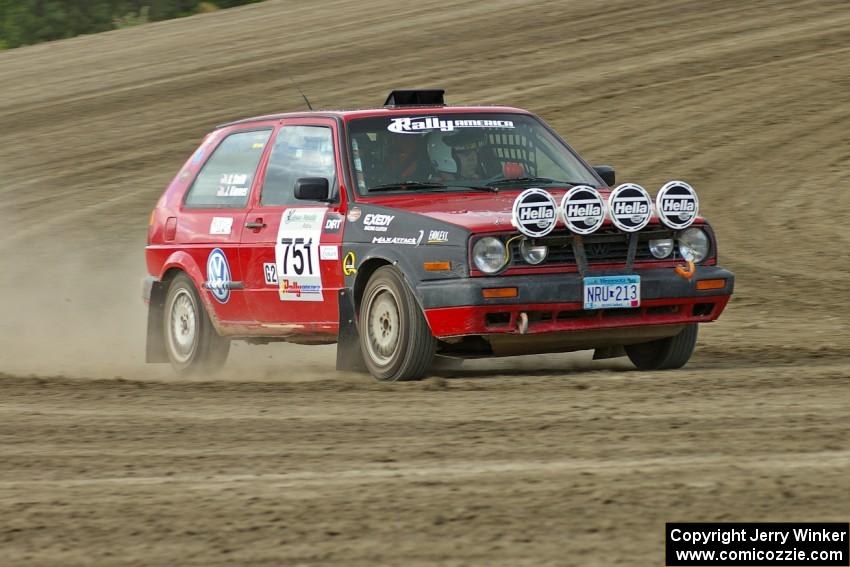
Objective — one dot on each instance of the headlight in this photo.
(532, 254)
(661, 247)
(693, 244)
(489, 255)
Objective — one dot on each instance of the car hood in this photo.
(478, 212)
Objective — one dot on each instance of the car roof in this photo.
(347, 115)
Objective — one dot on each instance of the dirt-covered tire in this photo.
(193, 345)
(394, 337)
(665, 354)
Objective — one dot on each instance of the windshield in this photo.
(459, 152)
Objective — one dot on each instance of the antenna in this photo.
(310, 106)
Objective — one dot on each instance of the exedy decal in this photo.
(377, 223)
(408, 125)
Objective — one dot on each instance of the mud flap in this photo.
(155, 342)
(609, 352)
(348, 355)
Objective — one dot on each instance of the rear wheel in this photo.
(394, 336)
(665, 354)
(193, 345)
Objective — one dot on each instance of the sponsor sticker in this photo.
(630, 207)
(677, 204)
(411, 125)
(221, 225)
(534, 212)
(374, 222)
(303, 219)
(297, 255)
(270, 273)
(349, 264)
(583, 209)
(438, 236)
(218, 275)
(329, 253)
(333, 222)
(292, 290)
(409, 240)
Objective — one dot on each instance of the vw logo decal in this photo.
(597, 249)
(677, 204)
(583, 209)
(534, 212)
(630, 207)
(218, 275)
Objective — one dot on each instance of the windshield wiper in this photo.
(430, 185)
(488, 188)
(525, 180)
(401, 185)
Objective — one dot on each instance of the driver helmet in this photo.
(465, 140)
(440, 154)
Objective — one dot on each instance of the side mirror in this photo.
(312, 189)
(606, 172)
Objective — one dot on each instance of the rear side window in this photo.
(225, 179)
(298, 151)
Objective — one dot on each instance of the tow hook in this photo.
(688, 271)
(522, 323)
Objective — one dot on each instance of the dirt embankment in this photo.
(551, 460)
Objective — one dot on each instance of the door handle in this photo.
(256, 225)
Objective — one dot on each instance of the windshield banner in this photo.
(408, 125)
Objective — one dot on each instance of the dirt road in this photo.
(535, 461)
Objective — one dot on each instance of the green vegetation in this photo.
(25, 22)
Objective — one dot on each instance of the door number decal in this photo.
(299, 277)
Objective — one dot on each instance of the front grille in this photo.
(608, 246)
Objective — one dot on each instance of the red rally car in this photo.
(416, 231)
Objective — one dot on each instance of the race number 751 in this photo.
(296, 256)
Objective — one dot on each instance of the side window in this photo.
(225, 179)
(298, 151)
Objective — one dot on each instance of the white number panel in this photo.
(297, 255)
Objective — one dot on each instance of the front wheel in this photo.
(394, 336)
(193, 345)
(665, 354)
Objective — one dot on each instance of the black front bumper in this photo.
(566, 288)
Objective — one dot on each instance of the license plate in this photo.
(611, 292)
